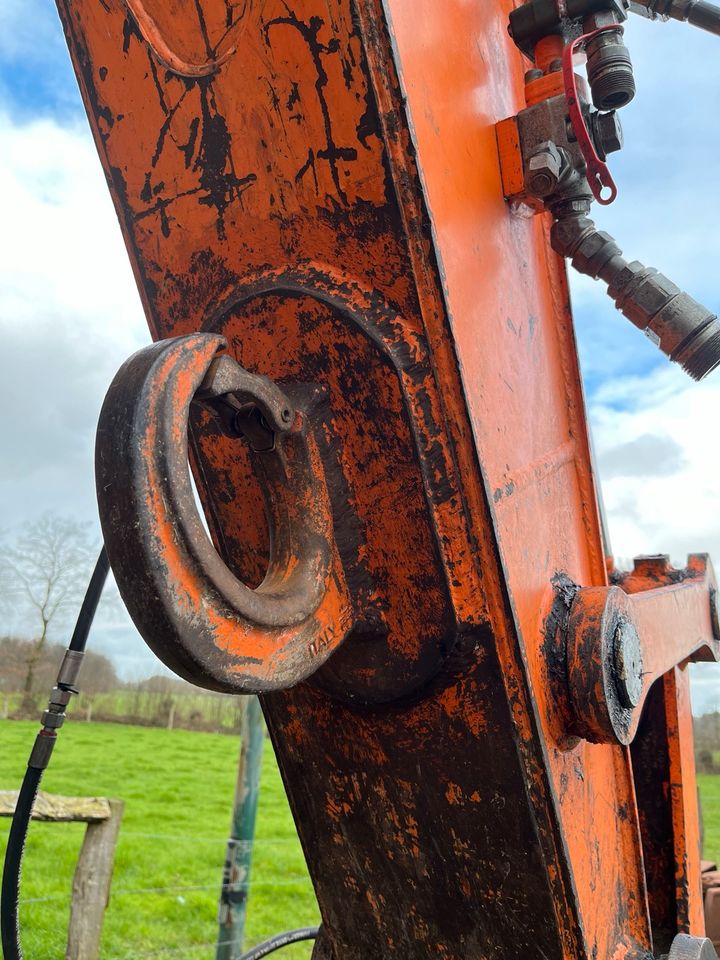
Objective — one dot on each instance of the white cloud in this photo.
(659, 460)
(69, 315)
(656, 437)
(61, 252)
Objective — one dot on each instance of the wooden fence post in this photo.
(93, 873)
(91, 886)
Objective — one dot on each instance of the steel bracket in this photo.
(622, 638)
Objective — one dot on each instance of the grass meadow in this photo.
(709, 785)
(178, 788)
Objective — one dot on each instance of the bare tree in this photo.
(43, 574)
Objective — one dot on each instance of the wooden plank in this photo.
(91, 885)
(56, 809)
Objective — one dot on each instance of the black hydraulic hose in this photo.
(281, 940)
(705, 15)
(52, 720)
(90, 602)
(13, 863)
(698, 13)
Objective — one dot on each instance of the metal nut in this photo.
(624, 280)
(608, 133)
(594, 252)
(649, 297)
(544, 171)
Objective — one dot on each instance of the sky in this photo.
(70, 313)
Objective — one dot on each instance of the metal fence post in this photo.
(236, 872)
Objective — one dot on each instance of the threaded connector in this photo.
(610, 71)
(687, 332)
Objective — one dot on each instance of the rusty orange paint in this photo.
(684, 802)
(681, 906)
(319, 182)
(549, 85)
(511, 164)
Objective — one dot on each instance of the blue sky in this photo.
(35, 74)
(61, 256)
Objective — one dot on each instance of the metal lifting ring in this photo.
(200, 620)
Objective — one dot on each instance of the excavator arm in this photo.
(366, 354)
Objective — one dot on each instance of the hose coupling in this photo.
(687, 332)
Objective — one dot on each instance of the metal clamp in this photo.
(192, 611)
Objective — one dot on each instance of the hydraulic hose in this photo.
(698, 13)
(706, 16)
(52, 719)
(91, 599)
(281, 940)
(13, 863)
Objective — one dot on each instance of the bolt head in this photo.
(608, 132)
(628, 665)
(544, 170)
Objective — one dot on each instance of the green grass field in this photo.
(178, 788)
(710, 799)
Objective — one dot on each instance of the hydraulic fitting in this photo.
(609, 67)
(685, 331)
(698, 13)
(685, 947)
(552, 159)
(536, 19)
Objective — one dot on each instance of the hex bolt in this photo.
(607, 133)
(545, 170)
(627, 662)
